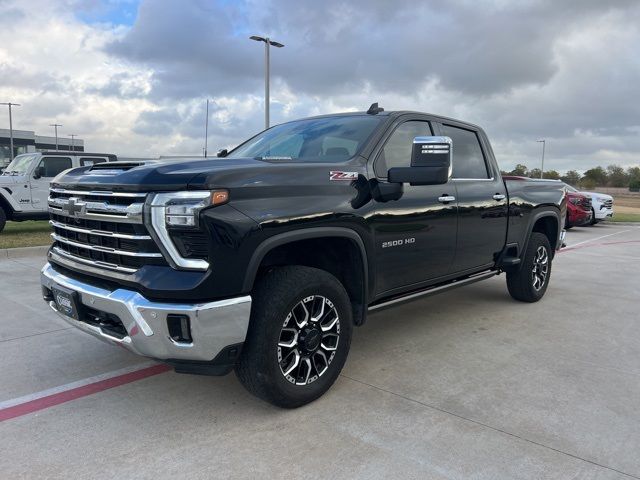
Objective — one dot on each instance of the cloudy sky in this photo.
(132, 76)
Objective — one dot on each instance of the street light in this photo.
(267, 42)
(543, 142)
(10, 126)
(206, 131)
(73, 136)
(56, 125)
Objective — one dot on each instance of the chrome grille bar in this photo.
(98, 193)
(97, 210)
(101, 233)
(70, 260)
(98, 248)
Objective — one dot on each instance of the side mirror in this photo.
(38, 172)
(430, 163)
(222, 153)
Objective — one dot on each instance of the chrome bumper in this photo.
(214, 325)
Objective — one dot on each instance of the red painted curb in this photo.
(79, 392)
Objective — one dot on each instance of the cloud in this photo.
(565, 71)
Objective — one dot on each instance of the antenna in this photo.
(374, 109)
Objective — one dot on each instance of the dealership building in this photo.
(25, 141)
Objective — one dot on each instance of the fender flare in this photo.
(546, 211)
(7, 199)
(305, 234)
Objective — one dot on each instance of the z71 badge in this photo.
(335, 175)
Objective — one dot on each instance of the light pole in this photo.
(206, 130)
(10, 127)
(543, 142)
(267, 42)
(73, 136)
(56, 125)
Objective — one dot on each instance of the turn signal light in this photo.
(218, 197)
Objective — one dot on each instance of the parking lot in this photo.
(468, 384)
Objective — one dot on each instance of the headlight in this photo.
(180, 210)
(601, 199)
(575, 200)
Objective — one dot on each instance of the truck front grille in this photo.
(102, 229)
(608, 203)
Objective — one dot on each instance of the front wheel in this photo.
(530, 282)
(299, 336)
(593, 217)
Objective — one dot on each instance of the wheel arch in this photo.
(305, 247)
(548, 222)
(5, 203)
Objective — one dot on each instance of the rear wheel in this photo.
(3, 219)
(298, 338)
(530, 283)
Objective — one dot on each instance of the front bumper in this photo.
(603, 213)
(213, 325)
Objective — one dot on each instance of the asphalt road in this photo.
(467, 384)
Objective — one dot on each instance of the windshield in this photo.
(20, 164)
(329, 139)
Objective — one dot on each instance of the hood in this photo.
(595, 194)
(11, 179)
(146, 175)
(181, 174)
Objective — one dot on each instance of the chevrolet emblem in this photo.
(74, 207)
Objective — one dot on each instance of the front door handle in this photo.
(499, 197)
(446, 199)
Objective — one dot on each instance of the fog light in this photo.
(179, 327)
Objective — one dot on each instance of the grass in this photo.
(625, 217)
(25, 234)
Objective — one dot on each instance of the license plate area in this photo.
(67, 301)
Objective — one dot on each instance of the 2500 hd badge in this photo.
(397, 243)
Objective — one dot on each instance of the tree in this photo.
(595, 176)
(571, 177)
(633, 173)
(534, 173)
(617, 176)
(552, 175)
(520, 170)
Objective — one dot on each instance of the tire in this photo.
(282, 326)
(530, 282)
(593, 217)
(3, 219)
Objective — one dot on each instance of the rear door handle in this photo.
(498, 197)
(446, 199)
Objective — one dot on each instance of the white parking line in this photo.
(597, 238)
(72, 385)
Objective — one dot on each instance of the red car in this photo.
(578, 210)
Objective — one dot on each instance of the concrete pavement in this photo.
(467, 384)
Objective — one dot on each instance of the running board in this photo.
(434, 290)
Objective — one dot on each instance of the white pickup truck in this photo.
(24, 184)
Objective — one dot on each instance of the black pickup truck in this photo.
(263, 260)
